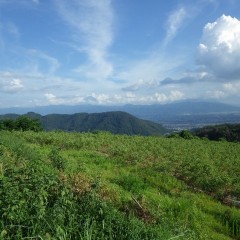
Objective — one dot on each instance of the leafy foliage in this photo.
(114, 122)
(56, 185)
(22, 123)
(185, 134)
(228, 132)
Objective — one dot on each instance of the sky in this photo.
(115, 52)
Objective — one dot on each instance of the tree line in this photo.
(22, 123)
(223, 132)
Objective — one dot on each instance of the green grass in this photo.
(60, 185)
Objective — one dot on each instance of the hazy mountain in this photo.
(114, 122)
(179, 108)
(186, 114)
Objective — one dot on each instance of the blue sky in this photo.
(118, 51)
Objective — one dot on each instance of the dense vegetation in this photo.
(56, 185)
(114, 122)
(228, 132)
(21, 123)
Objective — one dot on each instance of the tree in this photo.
(24, 123)
(7, 124)
(186, 134)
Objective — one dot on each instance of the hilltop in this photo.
(114, 122)
(181, 115)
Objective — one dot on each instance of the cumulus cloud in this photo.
(219, 50)
(173, 96)
(54, 100)
(91, 23)
(226, 91)
(232, 88)
(109, 99)
(68, 100)
(216, 94)
(50, 97)
(151, 98)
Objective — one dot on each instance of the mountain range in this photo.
(188, 114)
(114, 122)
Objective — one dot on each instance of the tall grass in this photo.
(59, 185)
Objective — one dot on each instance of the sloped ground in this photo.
(59, 185)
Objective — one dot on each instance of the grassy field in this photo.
(56, 185)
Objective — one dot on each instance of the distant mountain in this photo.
(114, 122)
(149, 111)
(188, 114)
(166, 111)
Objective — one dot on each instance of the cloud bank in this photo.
(219, 50)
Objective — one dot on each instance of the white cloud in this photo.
(50, 97)
(219, 50)
(54, 100)
(115, 98)
(91, 22)
(101, 98)
(174, 95)
(11, 85)
(69, 100)
(228, 92)
(174, 23)
(232, 88)
(141, 85)
(145, 73)
(217, 94)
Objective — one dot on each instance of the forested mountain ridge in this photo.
(177, 115)
(114, 122)
(228, 132)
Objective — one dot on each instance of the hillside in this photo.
(186, 114)
(114, 122)
(228, 132)
(57, 185)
